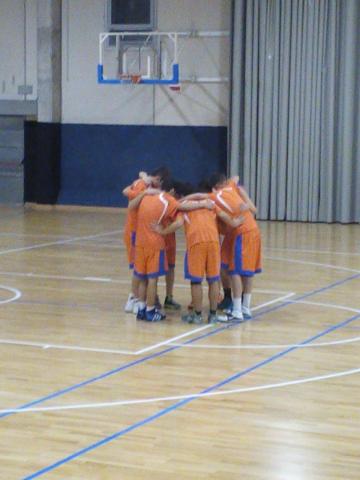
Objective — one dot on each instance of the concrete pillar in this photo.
(237, 91)
(49, 60)
(42, 160)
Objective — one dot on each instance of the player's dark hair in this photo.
(162, 172)
(167, 184)
(203, 186)
(216, 179)
(183, 188)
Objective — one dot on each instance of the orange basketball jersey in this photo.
(137, 187)
(200, 226)
(154, 209)
(229, 200)
(130, 223)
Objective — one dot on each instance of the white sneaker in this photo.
(229, 317)
(136, 306)
(218, 317)
(236, 316)
(129, 306)
(246, 312)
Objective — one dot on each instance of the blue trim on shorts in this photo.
(238, 261)
(213, 279)
(142, 276)
(131, 266)
(249, 273)
(244, 273)
(133, 238)
(224, 266)
(194, 279)
(161, 272)
(145, 276)
(155, 275)
(187, 274)
(162, 269)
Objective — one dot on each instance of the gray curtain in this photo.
(295, 109)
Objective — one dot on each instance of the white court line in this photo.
(127, 352)
(165, 342)
(47, 346)
(265, 347)
(81, 279)
(172, 398)
(277, 346)
(15, 291)
(59, 242)
(36, 235)
(324, 252)
(46, 235)
(170, 340)
(97, 279)
(111, 280)
(62, 277)
(316, 264)
(276, 300)
(328, 305)
(101, 245)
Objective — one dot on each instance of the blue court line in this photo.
(181, 403)
(170, 349)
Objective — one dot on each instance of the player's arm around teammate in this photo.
(244, 245)
(203, 252)
(133, 192)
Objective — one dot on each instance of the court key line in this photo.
(166, 342)
(183, 402)
(58, 242)
(315, 264)
(152, 356)
(15, 291)
(323, 252)
(110, 280)
(193, 396)
(275, 346)
(48, 345)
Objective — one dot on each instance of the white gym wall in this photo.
(84, 101)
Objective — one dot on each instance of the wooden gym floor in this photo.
(87, 392)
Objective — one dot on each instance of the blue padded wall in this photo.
(98, 161)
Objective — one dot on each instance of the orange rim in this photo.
(135, 78)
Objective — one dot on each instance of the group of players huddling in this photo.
(222, 243)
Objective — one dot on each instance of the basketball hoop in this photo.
(146, 58)
(131, 77)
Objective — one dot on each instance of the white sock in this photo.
(131, 296)
(142, 305)
(246, 299)
(237, 304)
(148, 309)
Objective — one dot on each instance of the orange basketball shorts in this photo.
(203, 259)
(150, 263)
(246, 254)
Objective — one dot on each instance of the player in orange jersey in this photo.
(242, 245)
(137, 190)
(226, 303)
(150, 256)
(202, 258)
